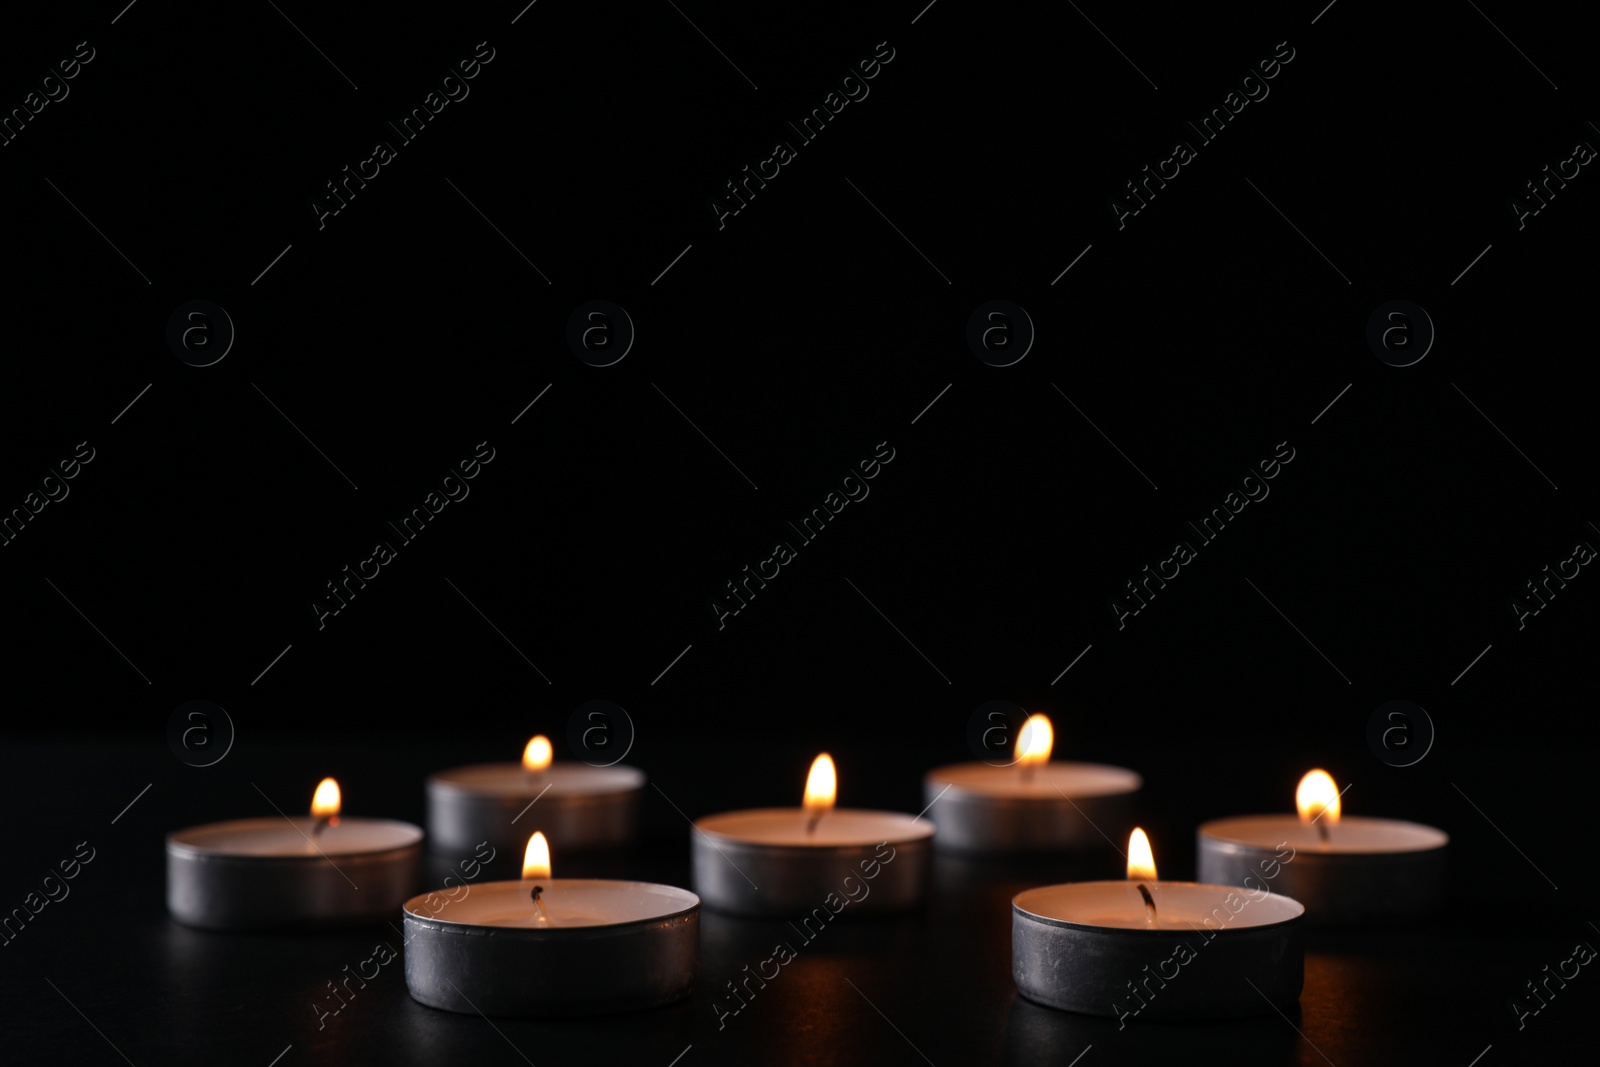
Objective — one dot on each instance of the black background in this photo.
(797, 338)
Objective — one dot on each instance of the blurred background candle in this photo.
(1346, 870)
(552, 947)
(789, 861)
(1032, 804)
(284, 872)
(1154, 950)
(576, 806)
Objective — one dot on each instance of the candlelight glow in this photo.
(822, 785)
(1141, 862)
(1317, 795)
(536, 861)
(325, 801)
(1035, 742)
(537, 756)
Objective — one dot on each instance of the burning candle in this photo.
(1347, 870)
(1124, 949)
(575, 805)
(282, 872)
(1031, 804)
(549, 947)
(789, 861)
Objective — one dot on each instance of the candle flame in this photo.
(1318, 796)
(537, 756)
(325, 801)
(1141, 862)
(1035, 741)
(536, 860)
(822, 785)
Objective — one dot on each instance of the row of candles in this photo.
(543, 946)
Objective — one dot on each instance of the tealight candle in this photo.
(1348, 871)
(1123, 949)
(1034, 805)
(575, 805)
(790, 861)
(544, 947)
(324, 869)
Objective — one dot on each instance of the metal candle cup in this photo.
(280, 873)
(576, 806)
(602, 947)
(764, 862)
(1059, 806)
(1211, 953)
(1369, 872)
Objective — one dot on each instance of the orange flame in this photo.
(536, 860)
(325, 801)
(1317, 796)
(1141, 861)
(538, 754)
(822, 785)
(1035, 741)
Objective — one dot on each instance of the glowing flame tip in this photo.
(536, 860)
(1141, 861)
(538, 754)
(822, 784)
(1317, 797)
(325, 801)
(1035, 741)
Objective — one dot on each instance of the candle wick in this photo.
(816, 817)
(538, 904)
(1149, 904)
(322, 823)
(1322, 831)
(1027, 774)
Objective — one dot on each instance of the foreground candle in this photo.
(1348, 871)
(322, 869)
(544, 947)
(792, 861)
(1034, 805)
(1156, 950)
(575, 805)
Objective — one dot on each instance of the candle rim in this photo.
(924, 826)
(443, 925)
(443, 781)
(177, 842)
(1209, 829)
(1018, 909)
(939, 777)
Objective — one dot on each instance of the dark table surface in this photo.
(106, 966)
